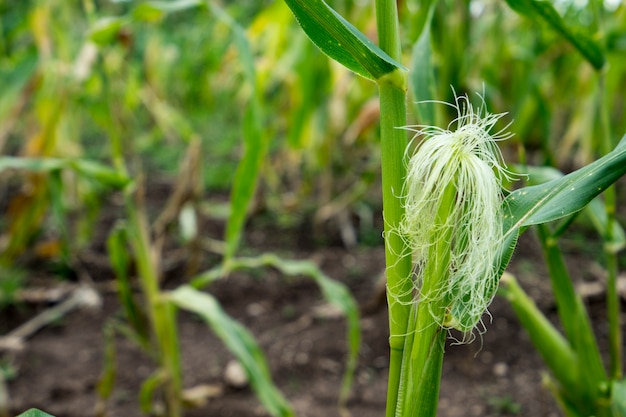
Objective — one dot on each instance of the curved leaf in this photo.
(575, 35)
(564, 196)
(87, 168)
(340, 40)
(33, 412)
(558, 198)
(255, 141)
(239, 341)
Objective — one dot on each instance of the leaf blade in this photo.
(341, 41)
(239, 341)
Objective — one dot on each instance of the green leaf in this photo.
(33, 412)
(254, 139)
(239, 341)
(618, 398)
(575, 35)
(31, 164)
(148, 389)
(104, 31)
(334, 292)
(595, 210)
(155, 10)
(558, 198)
(564, 196)
(87, 168)
(423, 76)
(99, 172)
(341, 41)
(119, 256)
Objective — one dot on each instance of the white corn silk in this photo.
(468, 159)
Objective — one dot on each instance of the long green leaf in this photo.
(89, 169)
(558, 198)
(618, 398)
(239, 341)
(575, 35)
(340, 40)
(334, 292)
(595, 210)
(564, 196)
(422, 78)
(254, 138)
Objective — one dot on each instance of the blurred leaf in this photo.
(255, 142)
(333, 291)
(148, 388)
(90, 169)
(597, 213)
(119, 256)
(155, 10)
(31, 164)
(239, 341)
(423, 75)
(33, 412)
(618, 398)
(99, 172)
(106, 382)
(575, 35)
(105, 30)
(341, 41)
(14, 79)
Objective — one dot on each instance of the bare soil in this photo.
(498, 374)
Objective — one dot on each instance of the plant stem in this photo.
(397, 255)
(393, 146)
(161, 313)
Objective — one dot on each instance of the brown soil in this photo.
(498, 374)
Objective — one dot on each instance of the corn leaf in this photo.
(558, 198)
(618, 398)
(89, 169)
(154, 11)
(104, 30)
(33, 412)
(334, 292)
(239, 341)
(340, 40)
(564, 196)
(254, 139)
(422, 79)
(575, 35)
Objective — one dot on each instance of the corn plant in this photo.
(161, 306)
(448, 213)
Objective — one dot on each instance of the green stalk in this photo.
(393, 145)
(160, 312)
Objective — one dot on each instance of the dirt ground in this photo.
(498, 374)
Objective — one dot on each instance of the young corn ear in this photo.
(467, 159)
